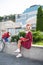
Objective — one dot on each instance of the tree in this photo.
(12, 17)
(39, 24)
(1, 18)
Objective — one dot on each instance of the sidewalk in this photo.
(7, 59)
(35, 52)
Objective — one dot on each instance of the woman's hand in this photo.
(25, 40)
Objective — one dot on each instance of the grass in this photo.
(38, 43)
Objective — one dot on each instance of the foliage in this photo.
(16, 37)
(9, 17)
(1, 18)
(37, 36)
(39, 25)
(12, 17)
(22, 34)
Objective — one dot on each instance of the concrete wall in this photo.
(34, 53)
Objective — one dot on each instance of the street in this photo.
(7, 59)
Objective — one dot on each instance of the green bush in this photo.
(17, 37)
(22, 34)
(37, 36)
(14, 38)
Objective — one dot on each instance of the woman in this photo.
(25, 42)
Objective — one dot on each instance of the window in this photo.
(18, 16)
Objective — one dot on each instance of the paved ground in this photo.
(6, 59)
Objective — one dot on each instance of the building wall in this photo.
(26, 16)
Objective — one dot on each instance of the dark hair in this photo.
(7, 32)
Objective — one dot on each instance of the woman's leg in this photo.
(19, 46)
(19, 49)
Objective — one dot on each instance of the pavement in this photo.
(33, 53)
(8, 59)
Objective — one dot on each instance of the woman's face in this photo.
(27, 28)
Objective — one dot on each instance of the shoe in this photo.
(19, 55)
(18, 50)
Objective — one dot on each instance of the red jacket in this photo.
(5, 35)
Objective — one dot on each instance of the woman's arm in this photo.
(25, 40)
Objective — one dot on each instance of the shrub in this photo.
(22, 34)
(37, 36)
(14, 38)
(17, 37)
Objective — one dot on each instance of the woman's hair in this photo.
(29, 25)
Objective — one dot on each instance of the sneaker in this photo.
(19, 55)
(18, 50)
